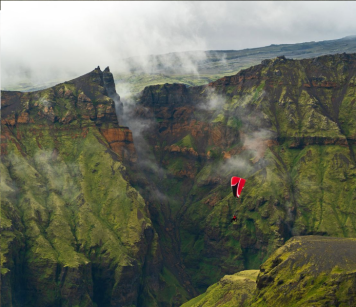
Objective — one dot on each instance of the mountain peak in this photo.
(87, 99)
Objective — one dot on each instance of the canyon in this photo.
(114, 202)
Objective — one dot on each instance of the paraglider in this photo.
(237, 184)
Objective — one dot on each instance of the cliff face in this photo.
(88, 101)
(74, 232)
(94, 213)
(286, 126)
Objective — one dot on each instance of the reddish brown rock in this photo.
(125, 151)
(121, 134)
(23, 118)
(5, 137)
(68, 94)
(325, 84)
(67, 118)
(83, 98)
(184, 150)
(120, 141)
(10, 120)
(185, 173)
(48, 112)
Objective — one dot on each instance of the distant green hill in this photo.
(201, 67)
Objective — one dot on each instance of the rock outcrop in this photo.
(309, 271)
(121, 142)
(88, 101)
(306, 271)
(231, 290)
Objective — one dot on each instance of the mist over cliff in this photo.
(115, 182)
(58, 51)
(130, 202)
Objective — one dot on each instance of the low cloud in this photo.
(257, 141)
(140, 126)
(212, 101)
(254, 146)
(41, 47)
(171, 63)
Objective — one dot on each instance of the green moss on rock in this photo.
(231, 290)
(309, 271)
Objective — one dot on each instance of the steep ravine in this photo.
(99, 214)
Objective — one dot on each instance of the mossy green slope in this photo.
(306, 271)
(82, 223)
(231, 290)
(74, 232)
(309, 271)
(304, 184)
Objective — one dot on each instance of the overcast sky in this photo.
(56, 39)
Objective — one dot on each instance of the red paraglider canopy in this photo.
(237, 184)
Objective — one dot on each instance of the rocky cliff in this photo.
(82, 103)
(287, 126)
(95, 213)
(74, 232)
